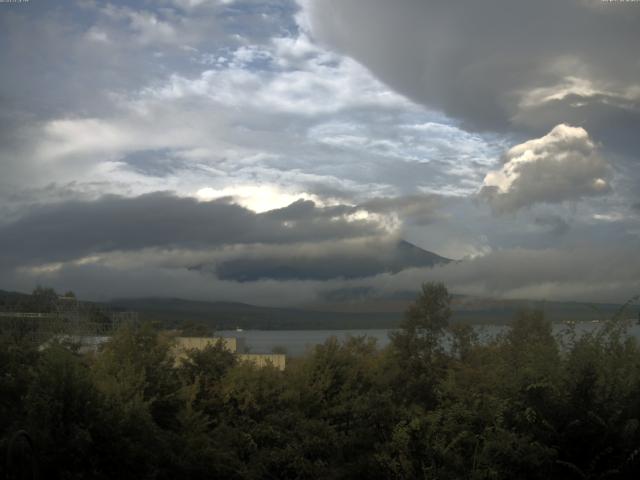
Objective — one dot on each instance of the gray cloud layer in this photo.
(159, 244)
(72, 230)
(581, 274)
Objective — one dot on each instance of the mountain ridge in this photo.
(401, 256)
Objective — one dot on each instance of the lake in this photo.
(298, 342)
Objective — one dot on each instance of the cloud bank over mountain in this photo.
(280, 150)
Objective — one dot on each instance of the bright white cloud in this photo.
(563, 165)
(325, 85)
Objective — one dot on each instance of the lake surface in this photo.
(299, 342)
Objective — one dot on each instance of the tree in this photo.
(43, 299)
(431, 311)
(204, 370)
(417, 345)
(61, 407)
(137, 364)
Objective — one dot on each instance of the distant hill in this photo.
(13, 300)
(352, 315)
(229, 315)
(409, 255)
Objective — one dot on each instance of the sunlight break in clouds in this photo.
(260, 198)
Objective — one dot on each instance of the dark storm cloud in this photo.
(498, 64)
(72, 230)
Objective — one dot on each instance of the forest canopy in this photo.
(435, 403)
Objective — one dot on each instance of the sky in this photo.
(147, 146)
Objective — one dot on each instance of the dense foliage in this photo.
(436, 403)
